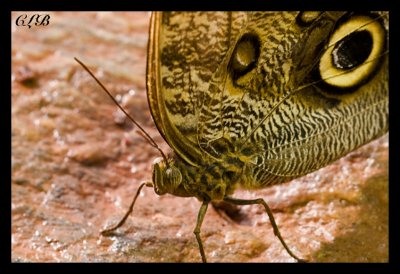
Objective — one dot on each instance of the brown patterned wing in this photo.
(286, 92)
(313, 88)
(185, 50)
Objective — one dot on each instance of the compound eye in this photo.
(174, 176)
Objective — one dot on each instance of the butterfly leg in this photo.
(271, 218)
(200, 218)
(108, 231)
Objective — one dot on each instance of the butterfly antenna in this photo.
(142, 132)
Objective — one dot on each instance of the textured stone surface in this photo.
(76, 164)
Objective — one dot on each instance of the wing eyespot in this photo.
(353, 53)
(245, 55)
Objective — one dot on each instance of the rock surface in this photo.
(76, 164)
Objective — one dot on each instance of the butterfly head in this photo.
(168, 179)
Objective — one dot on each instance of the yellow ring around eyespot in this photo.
(340, 78)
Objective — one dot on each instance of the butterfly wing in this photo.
(283, 107)
(185, 49)
(260, 85)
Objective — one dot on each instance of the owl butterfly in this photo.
(247, 100)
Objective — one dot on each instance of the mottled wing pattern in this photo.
(274, 111)
(235, 106)
(190, 47)
(319, 136)
(278, 112)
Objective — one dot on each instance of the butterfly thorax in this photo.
(212, 179)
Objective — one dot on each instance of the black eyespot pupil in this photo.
(352, 50)
(245, 55)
